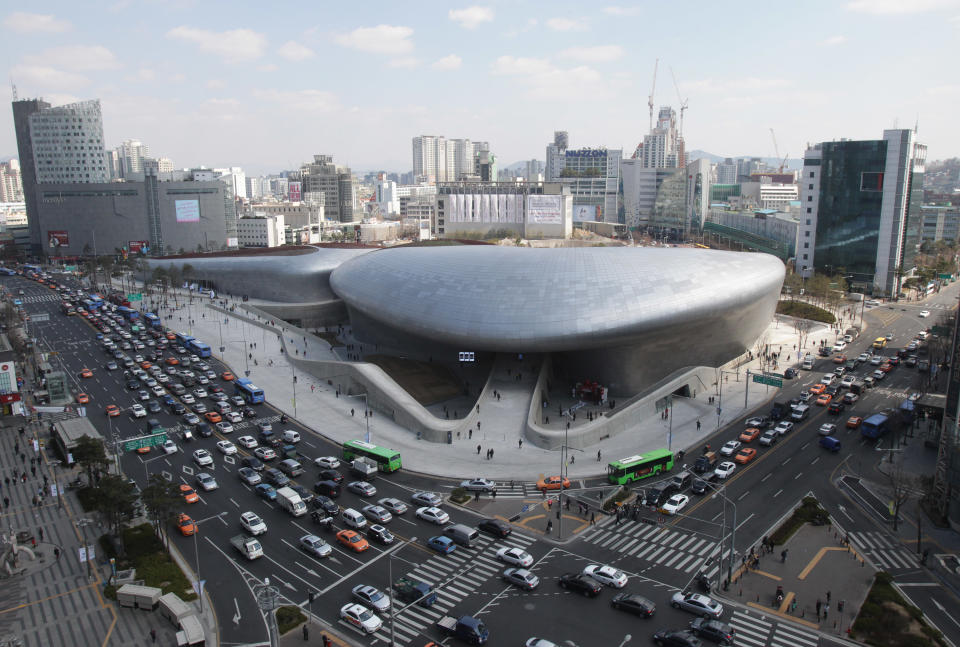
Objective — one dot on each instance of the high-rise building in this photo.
(727, 172)
(131, 154)
(429, 159)
(662, 148)
(11, 186)
(338, 185)
(593, 175)
(861, 210)
(164, 165)
(555, 151)
(68, 143)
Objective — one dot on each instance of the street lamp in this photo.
(56, 480)
(564, 463)
(366, 412)
(733, 530)
(83, 523)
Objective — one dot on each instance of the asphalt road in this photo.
(658, 561)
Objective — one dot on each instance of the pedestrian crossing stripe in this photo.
(884, 552)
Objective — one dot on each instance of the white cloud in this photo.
(294, 51)
(216, 84)
(894, 7)
(450, 62)
(24, 22)
(77, 58)
(234, 46)
(544, 80)
(518, 66)
(44, 76)
(944, 90)
(598, 54)
(308, 100)
(382, 39)
(622, 11)
(471, 17)
(834, 40)
(408, 62)
(268, 67)
(565, 24)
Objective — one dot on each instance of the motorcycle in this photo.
(778, 598)
(283, 419)
(704, 582)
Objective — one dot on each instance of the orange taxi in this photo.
(745, 455)
(172, 361)
(86, 373)
(83, 398)
(839, 359)
(750, 434)
(352, 540)
(145, 365)
(854, 422)
(227, 376)
(113, 410)
(143, 450)
(552, 483)
(818, 388)
(824, 399)
(186, 525)
(171, 336)
(213, 417)
(188, 494)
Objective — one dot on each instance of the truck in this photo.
(291, 501)
(365, 468)
(780, 410)
(705, 462)
(248, 546)
(409, 590)
(875, 426)
(467, 628)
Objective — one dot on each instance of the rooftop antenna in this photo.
(652, 88)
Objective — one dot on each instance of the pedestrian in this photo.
(469, 434)
(549, 526)
(33, 470)
(783, 556)
(6, 502)
(491, 454)
(476, 495)
(153, 635)
(826, 609)
(56, 553)
(478, 450)
(598, 455)
(520, 443)
(819, 605)
(41, 534)
(23, 458)
(352, 412)
(593, 518)
(494, 494)
(698, 425)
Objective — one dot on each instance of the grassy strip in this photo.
(886, 619)
(154, 565)
(288, 617)
(804, 310)
(809, 511)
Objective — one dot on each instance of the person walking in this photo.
(598, 455)
(153, 635)
(783, 556)
(593, 518)
(478, 450)
(819, 605)
(520, 443)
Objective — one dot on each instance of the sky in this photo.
(266, 86)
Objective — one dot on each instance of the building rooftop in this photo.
(73, 429)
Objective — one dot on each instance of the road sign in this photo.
(153, 440)
(136, 296)
(40, 316)
(770, 380)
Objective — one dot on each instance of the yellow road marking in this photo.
(48, 598)
(816, 559)
(785, 616)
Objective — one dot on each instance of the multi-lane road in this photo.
(658, 560)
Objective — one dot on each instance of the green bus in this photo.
(388, 460)
(634, 468)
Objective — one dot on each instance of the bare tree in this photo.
(802, 326)
(902, 485)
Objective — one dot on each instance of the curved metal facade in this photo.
(626, 315)
(298, 278)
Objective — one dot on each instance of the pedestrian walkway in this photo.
(883, 551)
(755, 630)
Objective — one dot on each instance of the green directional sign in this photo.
(772, 379)
(145, 441)
(136, 296)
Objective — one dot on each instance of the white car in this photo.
(138, 411)
(515, 556)
(479, 485)
(876, 360)
(725, 469)
(264, 453)
(327, 462)
(252, 523)
(730, 447)
(433, 515)
(701, 605)
(607, 575)
(202, 458)
(233, 416)
(839, 346)
(878, 375)
(170, 447)
(783, 428)
(847, 381)
(226, 447)
(827, 428)
(187, 398)
(675, 504)
(207, 482)
(224, 427)
(247, 442)
(361, 617)
(828, 379)
(158, 390)
(924, 313)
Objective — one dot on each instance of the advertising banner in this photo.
(58, 238)
(139, 246)
(187, 210)
(294, 191)
(544, 209)
(586, 212)
(233, 241)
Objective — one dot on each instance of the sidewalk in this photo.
(316, 404)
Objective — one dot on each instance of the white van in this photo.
(291, 436)
(800, 412)
(353, 519)
(807, 364)
(461, 534)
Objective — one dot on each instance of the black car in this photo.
(275, 477)
(495, 527)
(790, 373)
(325, 503)
(133, 385)
(253, 463)
(154, 407)
(653, 496)
(702, 464)
(204, 429)
(249, 412)
(824, 351)
(835, 408)
(633, 603)
(178, 408)
(378, 533)
(832, 390)
(670, 638)
(712, 630)
(699, 486)
(327, 488)
(582, 583)
(331, 475)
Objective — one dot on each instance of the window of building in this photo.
(808, 222)
(811, 174)
(809, 209)
(810, 186)
(805, 258)
(809, 198)
(871, 181)
(806, 234)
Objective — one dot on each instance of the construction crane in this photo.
(652, 88)
(776, 149)
(683, 102)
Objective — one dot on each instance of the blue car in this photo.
(441, 544)
(266, 491)
(167, 399)
(99, 335)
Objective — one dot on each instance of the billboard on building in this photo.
(233, 241)
(294, 191)
(544, 209)
(587, 213)
(187, 210)
(139, 246)
(56, 239)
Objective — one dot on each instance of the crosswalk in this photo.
(40, 298)
(761, 631)
(884, 552)
(454, 577)
(515, 490)
(657, 544)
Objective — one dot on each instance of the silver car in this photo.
(395, 506)
(315, 546)
(376, 513)
(207, 482)
(428, 499)
(701, 605)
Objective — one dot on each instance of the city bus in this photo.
(128, 313)
(634, 468)
(182, 338)
(199, 348)
(388, 460)
(152, 320)
(250, 392)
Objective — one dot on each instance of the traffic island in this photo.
(887, 619)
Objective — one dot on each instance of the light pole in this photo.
(366, 412)
(83, 523)
(733, 531)
(196, 554)
(564, 473)
(56, 481)
(294, 372)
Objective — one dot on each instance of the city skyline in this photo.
(266, 92)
